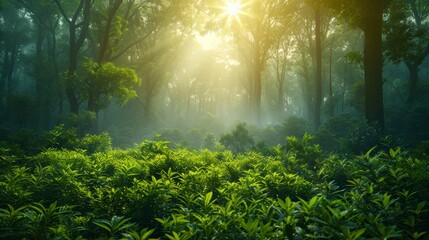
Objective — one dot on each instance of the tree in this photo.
(368, 16)
(280, 58)
(318, 36)
(313, 34)
(45, 69)
(140, 35)
(14, 30)
(102, 81)
(78, 25)
(260, 26)
(407, 38)
(239, 140)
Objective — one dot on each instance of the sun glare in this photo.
(208, 41)
(233, 8)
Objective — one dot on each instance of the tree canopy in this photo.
(173, 63)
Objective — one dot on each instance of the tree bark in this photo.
(317, 117)
(75, 45)
(331, 94)
(308, 95)
(113, 8)
(413, 70)
(373, 64)
(257, 93)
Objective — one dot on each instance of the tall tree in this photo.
(14, 29)
(304, 35)
(319, 90)
(256, 32)
(281, 63)
(130, 32)
(368, 16)
(407, 34)
(78, 24)
(44, 69)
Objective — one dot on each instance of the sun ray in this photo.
(233, 8)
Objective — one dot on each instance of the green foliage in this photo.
(61, 137)
(239, 140)
(294, 126)
(114, 226)
(25, 141)
(67, 138)
(23, 105)
(422, 150)
(209, 142)
(103, 81)
(357, 96)
(155, 192)
(363, 137)
(96, 143)
(149, 149)
(333, 134)
(287, 185)
(302, 155)
(79, 122)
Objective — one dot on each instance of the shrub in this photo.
(302, 153)
(239, 140)
(334, 132)
(294, 126)
(363, 137)
(96, 143)
(209, 142)
(149, 149)
(287, 185)
(61, 137)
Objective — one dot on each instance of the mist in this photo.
(185, 70)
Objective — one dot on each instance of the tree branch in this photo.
(132, 44)
(57, 2)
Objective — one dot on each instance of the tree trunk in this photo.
(413, 70)
(41, 93)
(373, 65)
(308, 95)
(75, 44)
(280, 100)
(331, 94)
(317, 120)
(3, 80)
(257, 93)
(113, 8)
(70, 91)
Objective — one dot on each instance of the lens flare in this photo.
(233, 8)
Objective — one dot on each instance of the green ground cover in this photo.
(87, 190)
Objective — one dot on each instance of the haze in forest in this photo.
(191, 71)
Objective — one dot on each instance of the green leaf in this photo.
(175, 236)
(368, 154)
(354, 234)
(114, 225)
(417, 235)
(207, 199)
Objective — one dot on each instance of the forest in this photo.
(214, 119)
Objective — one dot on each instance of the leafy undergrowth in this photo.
(154, 192)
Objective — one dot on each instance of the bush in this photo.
(294, 126)
(96, 143)
(363, 137)
(61, 137)
(239, 140)
(302, 154)
(287, 185)
(332, 135)
(152, 191)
